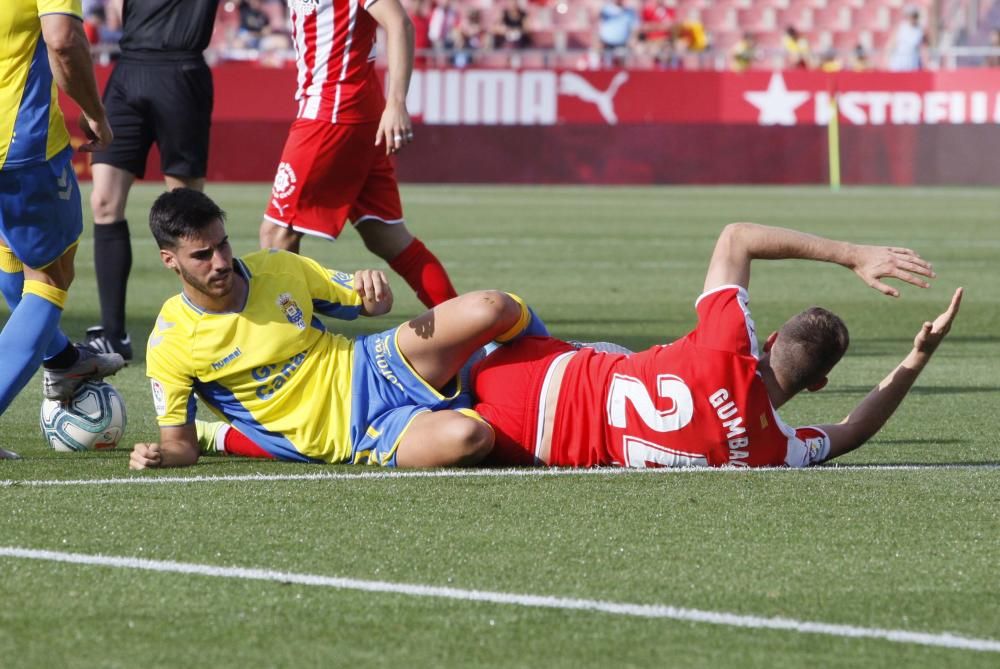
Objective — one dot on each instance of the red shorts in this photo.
(330, 173)
(508, 384)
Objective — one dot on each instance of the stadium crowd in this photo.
(828, 35)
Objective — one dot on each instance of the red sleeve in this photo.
(724, 321)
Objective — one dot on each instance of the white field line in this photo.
(943, 640)
(382, 474)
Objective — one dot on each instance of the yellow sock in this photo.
(56, 296)
(9, 262)
(518, 327)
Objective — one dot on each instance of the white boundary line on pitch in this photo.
(942, 640)
(464, 473)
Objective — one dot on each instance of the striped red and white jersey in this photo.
(335, 54)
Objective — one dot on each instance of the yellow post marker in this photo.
(833, 142)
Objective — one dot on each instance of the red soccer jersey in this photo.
(697, 401)
(335, 54)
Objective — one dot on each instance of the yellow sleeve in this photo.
(74, 7)
(332, 292)
(172, 384)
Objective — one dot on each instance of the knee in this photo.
(493, 309)
(105, 206)
(386, 240)
(471, 439)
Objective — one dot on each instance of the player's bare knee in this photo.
(492, 310)
(471, 439)
(104, 206)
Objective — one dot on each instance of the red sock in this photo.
(237, 443)
(425, 274)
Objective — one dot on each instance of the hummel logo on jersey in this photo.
(161, 327)
(219, 364)
(292, 311)
(65, 187)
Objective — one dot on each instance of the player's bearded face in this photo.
(205, 263)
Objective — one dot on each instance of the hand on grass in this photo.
(145, 456)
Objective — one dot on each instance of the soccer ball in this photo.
(93, 419)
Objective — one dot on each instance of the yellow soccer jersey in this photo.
(32, 129)
(271, 369)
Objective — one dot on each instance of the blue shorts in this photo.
(40, 211)
(386, 395)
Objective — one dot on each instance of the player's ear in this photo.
(819, 385)
(169, 259)
(771, 338)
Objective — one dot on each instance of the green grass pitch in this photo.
(893, 548)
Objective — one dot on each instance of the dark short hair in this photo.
(181, 213)
(809, 345)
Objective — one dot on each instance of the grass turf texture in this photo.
(899, 549)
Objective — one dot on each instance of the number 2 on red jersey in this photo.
(640, 452)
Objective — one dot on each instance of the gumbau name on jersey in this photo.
(274, 378)
(732, 422)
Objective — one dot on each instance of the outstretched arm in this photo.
(741, 243)
(178, 447)
(875, 409)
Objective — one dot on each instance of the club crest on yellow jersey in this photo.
(292, 311)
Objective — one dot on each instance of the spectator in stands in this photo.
(93, 23)
(512, 30)
(443, 24)
(796, 46)
(744, 53)
(471, 37)
(420, 15)
(993, 60)
(689, 38)
(656, 29)
(254, 24)
(859, 59)
(907, 44)
(617, 25)
(829, 61)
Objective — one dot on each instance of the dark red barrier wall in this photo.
(651, 127)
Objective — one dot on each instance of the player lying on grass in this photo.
(709, 398)
(244, 336)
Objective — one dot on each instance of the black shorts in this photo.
(166, 103)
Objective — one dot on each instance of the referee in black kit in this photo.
(160, 91)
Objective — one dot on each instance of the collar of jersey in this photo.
(240, 268)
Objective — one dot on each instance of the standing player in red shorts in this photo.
(709, 398)
(335, 165)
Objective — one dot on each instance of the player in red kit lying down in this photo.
(709, 398)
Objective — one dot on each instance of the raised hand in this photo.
(873, 263)
(931, 333)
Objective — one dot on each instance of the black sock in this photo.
(112, 262)
(64, 358)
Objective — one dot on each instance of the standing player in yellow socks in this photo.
(40, 212)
